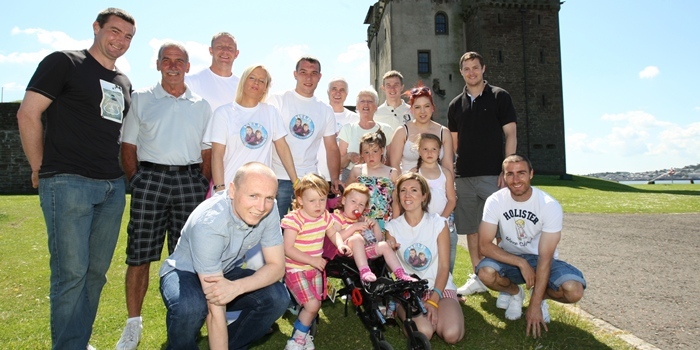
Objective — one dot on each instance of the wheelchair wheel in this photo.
(314, 327)
(418, 341)
(384, 345)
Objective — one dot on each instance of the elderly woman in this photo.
(350, 134)
(245, 130)
(403, 151)
(420, 233)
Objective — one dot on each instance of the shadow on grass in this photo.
(583, 182)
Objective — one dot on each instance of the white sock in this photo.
(137, 319)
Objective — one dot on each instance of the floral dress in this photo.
(381, 190)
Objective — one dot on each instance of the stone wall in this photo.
(521, 47)
(520, 42)
(15, 173)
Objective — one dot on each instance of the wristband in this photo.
(439, 293)
(430, 302)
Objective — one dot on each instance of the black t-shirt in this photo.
(84, 120)
(479, 125)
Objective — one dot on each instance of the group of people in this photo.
(208, 157)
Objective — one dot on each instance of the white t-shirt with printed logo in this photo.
(306, 120)
(247, 133)
(522, 223)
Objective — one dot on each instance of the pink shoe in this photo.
(366, 274)
(401, 274)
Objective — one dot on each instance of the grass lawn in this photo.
(24, 303)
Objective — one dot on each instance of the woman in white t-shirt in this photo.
(419, 233)
(246, 130)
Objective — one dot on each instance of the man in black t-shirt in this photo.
(75, 166)
(482, 121)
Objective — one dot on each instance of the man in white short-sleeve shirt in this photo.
(309, 123)
(337, 93)
(530, 221)
(217, 84)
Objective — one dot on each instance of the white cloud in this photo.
(55, 39)
(25, 57)
(12, 86)
(354, 53)
(638, 133)
(649, 72)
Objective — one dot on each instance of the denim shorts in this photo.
(560, 273)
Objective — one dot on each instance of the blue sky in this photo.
(630, 71)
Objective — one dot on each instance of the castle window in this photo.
(500, 56)
(541, 56)
(441, 23)
(423, 62)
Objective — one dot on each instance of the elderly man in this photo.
(203, 278)
(217, 84)
(74, 164)
(531, 223)
(167, 165)
(337, 93)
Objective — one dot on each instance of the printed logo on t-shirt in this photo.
(519, 218)
(406, 118)
(301, 126)
(418, 256)
(253, 135)
(112, 104)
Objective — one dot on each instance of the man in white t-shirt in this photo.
(309, 123)
(394, 111)
(217, 84)
(531, 223)
(337, 94)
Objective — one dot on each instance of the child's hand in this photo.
(318, 263)
(345, 250)
(360, 226)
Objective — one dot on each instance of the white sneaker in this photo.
(503, 300)
(90, 347)
(473, 285)
(295, 344)
(130, 336)
(515, 306)
(309, 342)
(545, 312)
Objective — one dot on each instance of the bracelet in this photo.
(439, 293)
(217, 187)
(430, 302)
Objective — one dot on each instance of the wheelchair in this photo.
(368, 299)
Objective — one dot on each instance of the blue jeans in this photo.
(187, 309)
(560, 272)
(285, 194)
(83, 217)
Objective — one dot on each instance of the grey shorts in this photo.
(471, 196)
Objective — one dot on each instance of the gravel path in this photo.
(640, 270)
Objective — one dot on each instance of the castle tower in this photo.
(519, 40)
